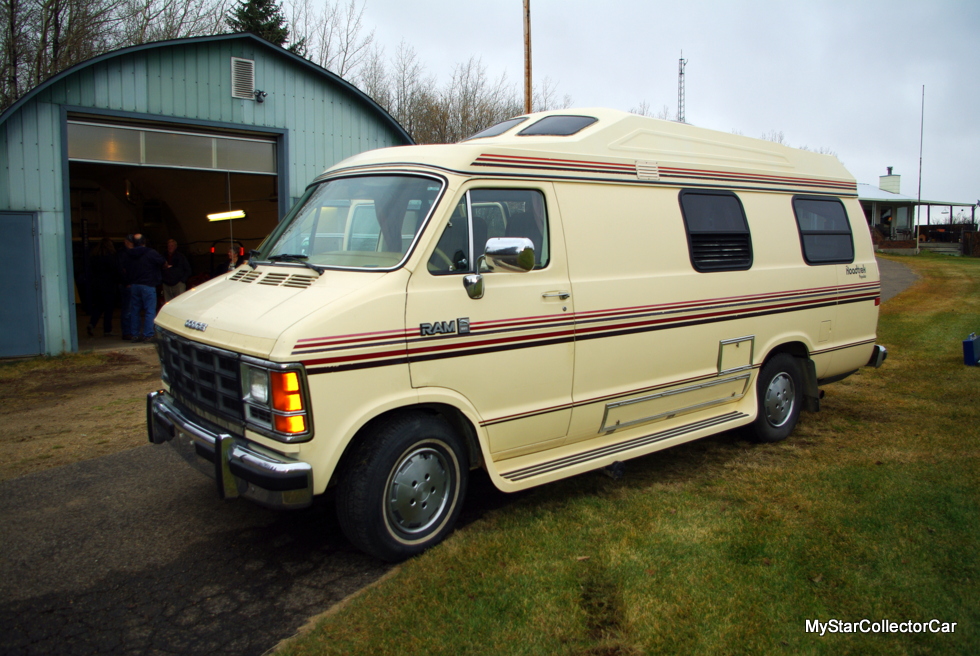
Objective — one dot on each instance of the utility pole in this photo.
(680, 89)
(527, 56)
(922, 127)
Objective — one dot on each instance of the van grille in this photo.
(202, 377)
(721, 251)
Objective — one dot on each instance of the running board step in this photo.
(602, 452)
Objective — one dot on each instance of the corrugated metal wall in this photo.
(191, 80)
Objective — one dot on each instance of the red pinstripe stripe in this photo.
(629, 169)
(471, 344)
(365, 339)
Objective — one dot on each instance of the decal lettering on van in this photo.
(445, 327)
(861, 270)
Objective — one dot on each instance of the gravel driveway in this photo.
(133, 553)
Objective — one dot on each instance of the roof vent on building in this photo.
(242, 78)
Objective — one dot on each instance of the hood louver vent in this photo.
(245, 275)
(274, 279)
(299, 282)
(296, 281)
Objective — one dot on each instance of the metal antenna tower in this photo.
(680, 89)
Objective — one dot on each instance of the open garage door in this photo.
(163, 183)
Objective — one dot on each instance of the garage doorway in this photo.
(163, 181)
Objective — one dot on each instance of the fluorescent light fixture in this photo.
(227, 216)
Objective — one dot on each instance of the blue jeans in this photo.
(143, 298)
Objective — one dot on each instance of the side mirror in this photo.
(510, 254)
(473, 283)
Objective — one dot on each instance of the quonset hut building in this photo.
(152, 139)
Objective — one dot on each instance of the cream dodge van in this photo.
(561, 292)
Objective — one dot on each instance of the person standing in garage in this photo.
(105, 279)
(125, 302)
(144, 271)
(176, 274)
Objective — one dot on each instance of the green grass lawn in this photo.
(870, 510)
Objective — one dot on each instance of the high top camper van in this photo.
(556, 294)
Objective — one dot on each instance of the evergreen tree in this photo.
(263, 18)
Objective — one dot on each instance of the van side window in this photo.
(825, 232)
(492, 213)
(717, 233)
(452, 251)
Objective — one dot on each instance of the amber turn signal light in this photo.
(286, 394)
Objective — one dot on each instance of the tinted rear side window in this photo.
(825, 232)
(557, 126)
(717, 232)
(498, 129)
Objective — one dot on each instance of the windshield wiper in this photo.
(298, 259)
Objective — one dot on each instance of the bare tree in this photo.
(644, 109)
(40, 38)
(775, 136)
(70, 31)
(471, 102)
(413, 98)
(144, 21)
(14, 16)
(545, 97)
(373, 78)
(822, 150)
(334, 33)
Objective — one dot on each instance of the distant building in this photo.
(892, 215)
(151, 139)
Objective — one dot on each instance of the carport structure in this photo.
(152, 139)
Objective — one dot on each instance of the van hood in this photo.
(248, 309)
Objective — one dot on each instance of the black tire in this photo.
(402, 486)
(779, 394)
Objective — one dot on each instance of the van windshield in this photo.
(368, 221)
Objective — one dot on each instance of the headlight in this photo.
(258, 385)
(275, 400)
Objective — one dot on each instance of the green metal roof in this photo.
(369, 103)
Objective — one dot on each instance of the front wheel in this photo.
(402, 487)
(779, 391)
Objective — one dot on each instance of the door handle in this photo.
(560, 295)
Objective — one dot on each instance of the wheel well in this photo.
(796, 349)
(453, 417)
(461, 425)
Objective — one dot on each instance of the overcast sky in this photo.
(845, 75)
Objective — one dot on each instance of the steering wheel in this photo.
(444, 259)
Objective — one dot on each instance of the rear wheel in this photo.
(403, 486)
(779, 391)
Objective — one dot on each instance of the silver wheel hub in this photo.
(418, 491)
(780, 396)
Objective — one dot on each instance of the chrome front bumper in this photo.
(238, 468)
